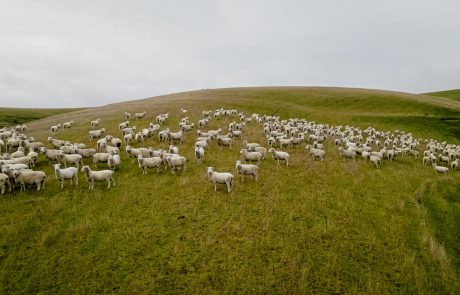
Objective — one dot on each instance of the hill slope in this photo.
(452, 94)
(324, 227)
(13, 116)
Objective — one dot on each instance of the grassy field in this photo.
(452, 94)
(329, 227)
(13, 116)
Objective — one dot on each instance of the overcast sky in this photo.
(87, 53)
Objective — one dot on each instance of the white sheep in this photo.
(347, 153)
(199, 154)
(220, 178)
(67, 125)
(173, 149)
(95, 123)
(145, 163)
(315, 153)
(114, 161)
(376, 160)
(176, 163)
(140, 115)
(454, 165)
(251, 156)
(173, 136)
(100, 158)
(96, 133)
(86, 153)
(127, 115)
(67, 173)
(24, 177)
(440, 169)
(123, 125)
(279, 155)
(247, 169)
(4, 181)
(224, 141)
(250, 145)
(92, 176)
(74, 159)
(139, 137)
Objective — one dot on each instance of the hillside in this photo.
(13, 116)
(313, 227)
(452, 94)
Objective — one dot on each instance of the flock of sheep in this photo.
(21, 152)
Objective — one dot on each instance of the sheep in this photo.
(224, 141)
(54, 129)
(34, 158)
(67, 125)
(279, 155)
(285, 142)
(68, 149)
(139, 137)
(4, 181)
(315, 153)
(140, 115)
(100, 158)
(376, 160)
(74, 159)
(173, 136)
(51, 155)
(163, 135)
(201, 143)
(173, 149)
(86, 153)
(127, 115)
(18, 154)
(199, 154)
(24, 177)
(56, 143)
(454, 165)
(259, 149)
(116, 142)
(128, 130)
(145, 163)
(426, 160)
(67, 173)
(127, 138)
(113, 162)
(123, 125)
(92, 176)
(247, 169)
(443, 159)
(413, 153)
(133, 152)
(32, 146)
(250, 145)
(175, 163)
(22, 160)
(347, 153)
(440, 169)
(95, 123)
(251, 156)
(96, 133)
(220, 178)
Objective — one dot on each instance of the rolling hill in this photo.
(313, 227)
(452, 94)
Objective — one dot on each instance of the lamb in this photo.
(199, 154)
(145, 163)
(279, 155)
(96, 133)
(24, 177)
(92, 176)
(440, 169)
(177, 162)
(100, 158)
(251, 156)
(4, 181)
(74, 159)
(67, 173)
(247, 169)
(347, 153)
(315, 153)
(220, 178)
(95, 123)
(454, 165)
(113, 161)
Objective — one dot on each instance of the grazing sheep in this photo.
(114, 161)
(86, 153)
(247, 169)
(279, 155)
(413, 153)
(127, 115)
(285, 142)
(54, 129)
(140, 115)
(251, 156)
(67, 173)
(123, 125)
(174, 136)
(315, 153)
(173, 149)
(51, 155)
(24, 177)
(56, 143)
(163, 135)
(250, 145)
(101, 175)
(224, 141)
(443, 159)
(145, 163)
(176, 163)
(67, 125)
(259, 149)
(74, 159)
(202, 143)
(199, 154)
(133, 152)
(4, 181)
(127, 138)
(22, 160)
(68, 149)
(454, 165)
(440, 169)
(347, 153)
(220, 178)
(18, 154)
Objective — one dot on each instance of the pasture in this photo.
(314, 227)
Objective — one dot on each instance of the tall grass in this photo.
(312, 227)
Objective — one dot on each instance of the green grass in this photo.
(313, 227)
(12, 116)
(452, 94)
